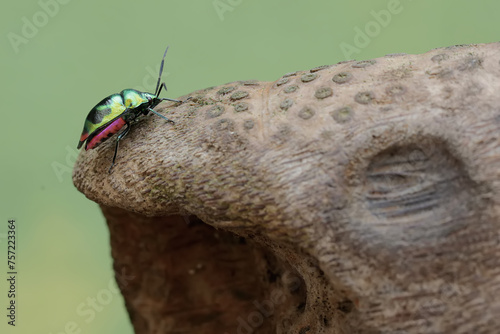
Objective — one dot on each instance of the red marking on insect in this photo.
(105, 133)
(84, 136)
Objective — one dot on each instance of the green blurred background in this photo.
(59, 58)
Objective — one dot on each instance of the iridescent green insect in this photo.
(118, 110)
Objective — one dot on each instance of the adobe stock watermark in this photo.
(151, 78)
(364, 36)
(94, 304)
(223, 6)
(265, 309)
(60, 169)
(30, 26)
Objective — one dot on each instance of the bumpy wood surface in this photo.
(361, 197)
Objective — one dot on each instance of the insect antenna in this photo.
(158, 87)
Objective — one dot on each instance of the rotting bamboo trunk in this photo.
(361, 197)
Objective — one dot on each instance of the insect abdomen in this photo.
(105, 133)
(104, 112)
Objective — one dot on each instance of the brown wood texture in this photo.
(361, 197)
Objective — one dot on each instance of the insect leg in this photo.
(120, 136)
(166, 99)
(158, 114)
